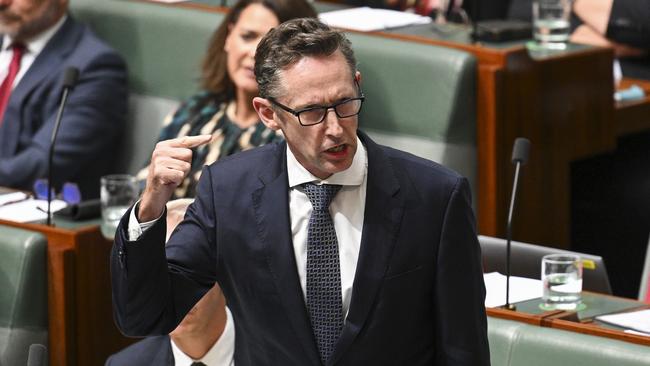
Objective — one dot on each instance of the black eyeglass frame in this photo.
(296, 113)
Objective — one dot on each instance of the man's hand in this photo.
(170, 163)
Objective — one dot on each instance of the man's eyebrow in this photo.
(312, 105)
(317, 105)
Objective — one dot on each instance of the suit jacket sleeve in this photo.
(461, 325)
(154, 285)
(93, 118)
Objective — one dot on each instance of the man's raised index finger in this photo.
(194, 141)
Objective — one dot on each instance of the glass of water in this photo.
(118, 193)
(551, 23)
(562, 281)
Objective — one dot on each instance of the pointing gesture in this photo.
(170, 163)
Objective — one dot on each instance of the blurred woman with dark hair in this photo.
(224, 107)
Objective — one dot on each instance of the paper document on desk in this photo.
(13, 197)
(521, 289)
(367, 19)
(29, 210)
(635, 320)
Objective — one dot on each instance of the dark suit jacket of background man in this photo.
(418, 293)
(151, 351)
(92, 121)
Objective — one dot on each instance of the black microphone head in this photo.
(37, 355)
(70, 77)
(520, 150)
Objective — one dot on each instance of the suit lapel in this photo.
(271, 207)
(383, 214)
(46, 65)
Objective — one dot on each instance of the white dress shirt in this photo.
(221, 353)
(347, 210)
(33, 48)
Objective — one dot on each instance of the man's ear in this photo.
(267, 114)
(357, 77)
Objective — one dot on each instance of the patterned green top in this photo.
(205, 113)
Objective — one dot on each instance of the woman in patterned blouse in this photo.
(224, 107)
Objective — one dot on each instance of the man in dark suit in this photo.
(39, 41)
(205, 336)
(388, 274)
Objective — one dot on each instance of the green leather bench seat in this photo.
(420, 98)
(23, 294)
(519, 344)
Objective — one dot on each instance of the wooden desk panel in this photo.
(81, 328)
(555, 320)
(596, 330)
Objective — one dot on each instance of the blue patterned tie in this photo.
(323, 270)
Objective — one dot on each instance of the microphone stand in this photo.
(51, 155)
(520, 152)
(69, 80)
(508, 305)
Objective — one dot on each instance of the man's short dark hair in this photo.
(290, 42)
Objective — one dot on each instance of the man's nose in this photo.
(332, 123)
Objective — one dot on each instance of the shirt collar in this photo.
(36, 44)
(221, 352)
(352, 176)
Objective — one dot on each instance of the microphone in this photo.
(520, 152)
(69, 80)
(37, 355)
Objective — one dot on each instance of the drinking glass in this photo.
(551, 22)
(118, 193)
(562, 281)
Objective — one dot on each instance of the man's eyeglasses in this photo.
(314, 115)
(70, 192)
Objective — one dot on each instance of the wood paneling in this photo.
(81, 329)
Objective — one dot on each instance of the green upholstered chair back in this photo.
(420, 98)
(519, 344)
(163, 47)
(526, 261)
(23, 293)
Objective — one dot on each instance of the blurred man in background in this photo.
(40, 40)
